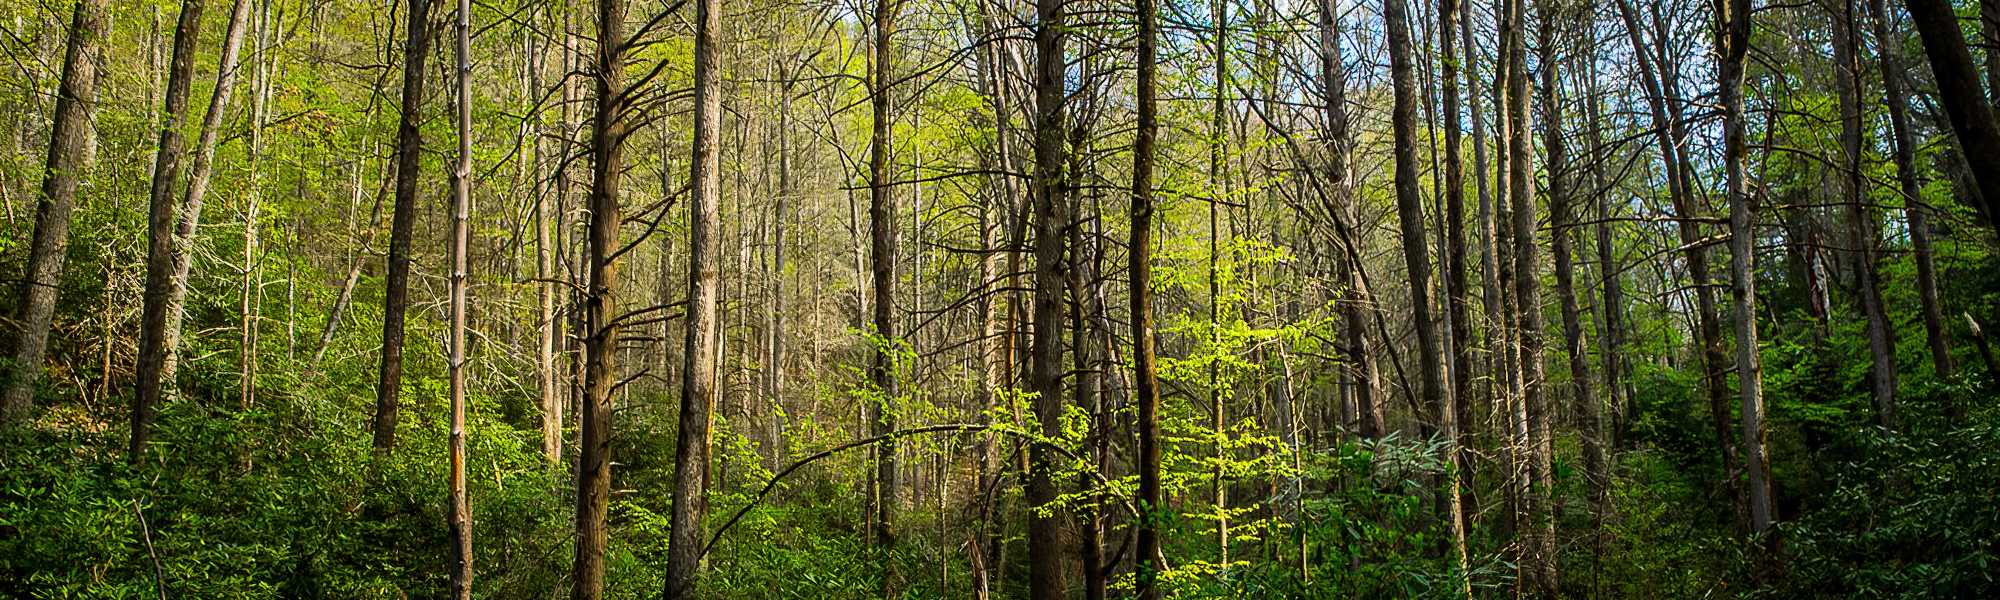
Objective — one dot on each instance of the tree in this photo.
(1733, 22)
(698, 363)
(608, 131)
(1889, 55)
(402, 223)
(882, 266)
(1862, 227)
(1959, 91)
(461, 240)
(62, 172)
(1410, 213)
(1146, 379)
(1047, 573)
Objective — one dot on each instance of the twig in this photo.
(146, 535)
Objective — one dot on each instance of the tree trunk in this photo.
(153, 347)
(64, 170)
(882, 266)
(1541, 568)
(1589, 406)
(1455, 280)
(402, 223)
(1410, 215)
(600, 331)
(698, 363)
(461, 240)
(1959, 91)
(1733, 21)
(1048, 573)
(1145, 372)
(1708, 328)
(1863, 230)
(1889, 52)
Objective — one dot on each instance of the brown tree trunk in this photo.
(1964, 103)
(160, 222)
(66, 165)
(1562, 235)
(402, 224)
(1410, 215)
(461, 238)
(1146, 379)
(600, 330)
(882, 266)
(1541, 568)
(1047, 529)
(698, 363)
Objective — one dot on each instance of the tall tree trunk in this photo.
(1863, 230)
(1410, 215)
(1733, 24)
(1145, 372)
(1342, 207)
(1562, 235)
(600, 330)
(461, 240)
(1708, 328)
(547, 327)
(1964, 103)
(1048, 573)
(64, 169)
(252, 281)
(1457, 307)
(402, 223)
(882, 266)
(1541, 568)
(1218, 176)
(698, 363)
(1889, 53)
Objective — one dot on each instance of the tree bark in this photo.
(600, 329)
(160, 222)
(1146, 379)
(1889, 54)
(1963, 99)
(1863, 230)
(63, 172)
(1048, 574)
(1410, 215)
(698, 364)
(1541, 568)
(882, 266)
(461, 239)
(1733, 22)
(402, 224)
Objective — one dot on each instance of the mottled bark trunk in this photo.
(698, 363)
(160, 220)
(460, 516)
(882, 267)
(1145, 373)
(599, 332)
(1733, 43)
(64, 169)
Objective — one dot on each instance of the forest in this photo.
(999, 299)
